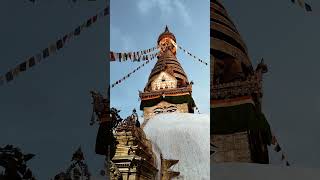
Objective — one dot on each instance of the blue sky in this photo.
(136, 25)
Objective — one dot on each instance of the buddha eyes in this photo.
(169, 109)
(158, 112)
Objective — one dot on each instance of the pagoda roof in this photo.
(167, 62)
(225, 38)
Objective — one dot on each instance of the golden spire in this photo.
(228, 51)
(167, 60)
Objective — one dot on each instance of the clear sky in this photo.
(46, 111)
(136, 25)
(288, 39)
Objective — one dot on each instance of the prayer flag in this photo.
(94, 18)
(77, 31)
(120, 56)
(70, 35)
(301, 3)
(53, 48)
(9, 76)
(83, 25)
(31, 61)
(89, 22)
(45, 52)
(23, 66)
(112, 57)
(308, 7)
(106, 11)
(277, 148)
(16, 71)
(38, 57)
(59, 44)
(65, 37)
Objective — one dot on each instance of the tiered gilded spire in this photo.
(239, 129)
(227, 47)
(166, 33)
(168, 88)
(225, 34)
(168, 62)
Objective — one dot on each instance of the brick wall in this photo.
(231, 147)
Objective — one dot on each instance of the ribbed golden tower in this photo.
(239, 129)
(227, 47)
(168, 88)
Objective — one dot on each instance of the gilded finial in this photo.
(166, 29)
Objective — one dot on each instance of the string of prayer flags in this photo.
(51, 49)
(194, 57)
(135, 70)
(303, 4)
(197, 110)
(277, 149)
(133, 56)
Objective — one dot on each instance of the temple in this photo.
(168, 88)
(131, 151)
(239, 129)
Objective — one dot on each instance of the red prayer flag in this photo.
(112, 57)
(94, 18)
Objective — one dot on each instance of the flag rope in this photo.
(197, 109)
(303, 5)
(152, 56)
(133, 56)
(277, 148)
(194, 57)
(52, 49)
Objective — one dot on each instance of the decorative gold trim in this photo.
(231, 102)
(169, 92)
